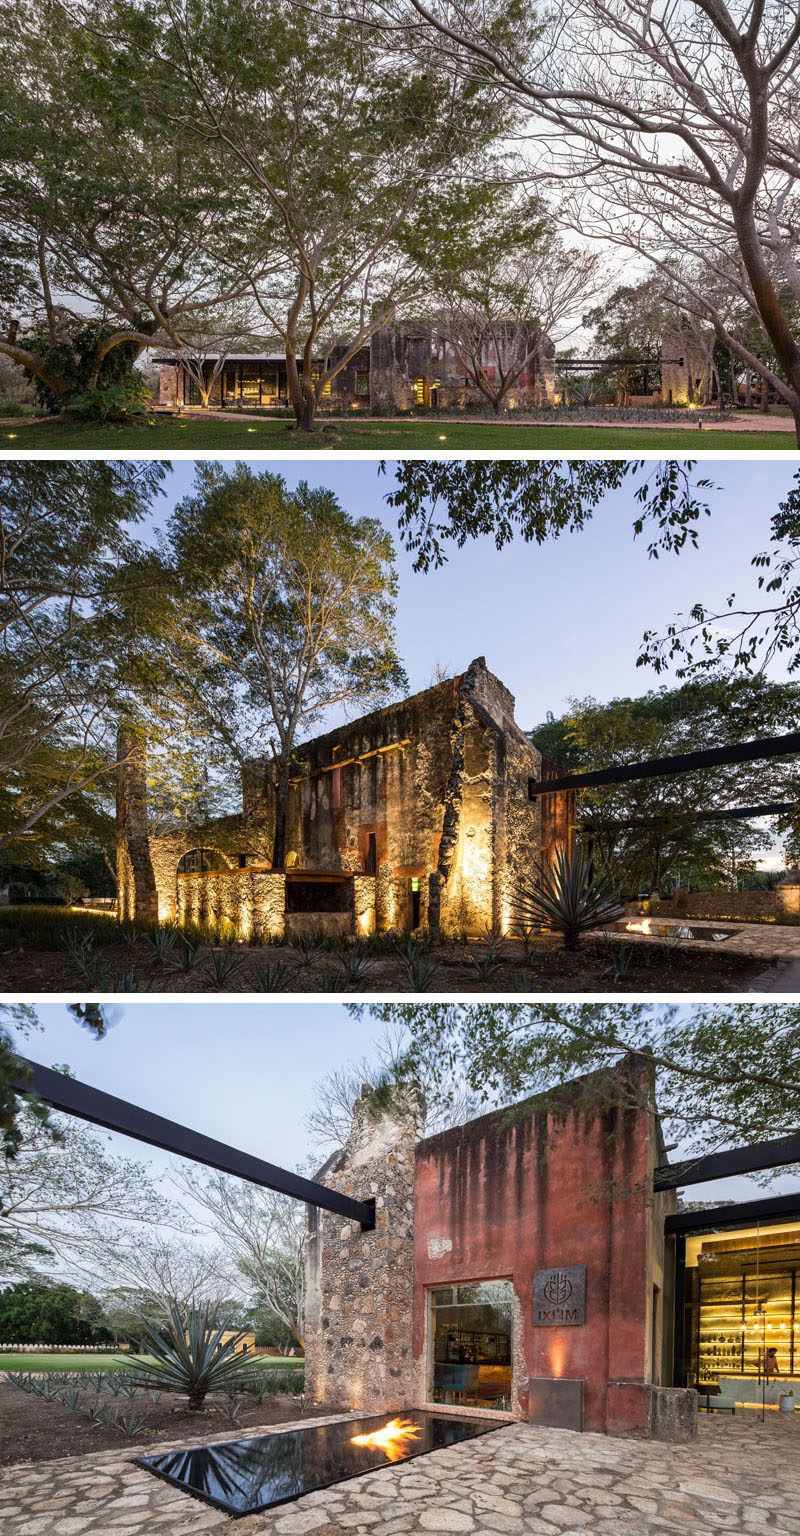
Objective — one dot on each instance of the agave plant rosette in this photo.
(193, 1354)
(567, 897)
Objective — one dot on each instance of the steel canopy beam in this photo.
(74, 1098)
(733, 813)
(745, 1214)
(661, 767)
(721, 1165)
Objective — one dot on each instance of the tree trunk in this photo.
(281, 817)
(775, 322)
(748, 390)
(764, 397)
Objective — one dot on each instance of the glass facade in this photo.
(471, 1334)
(742, 1300)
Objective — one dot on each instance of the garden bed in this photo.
(38, 962)
(33, 1429)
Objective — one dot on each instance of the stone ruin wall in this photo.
(360, 1285)
(439, 780)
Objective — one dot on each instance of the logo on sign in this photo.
(558, 1288)
(559, 1297)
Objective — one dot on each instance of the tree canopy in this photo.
(286, 610)
(650, 832)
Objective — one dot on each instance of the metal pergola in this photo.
(113, 1114)
(722, 1165)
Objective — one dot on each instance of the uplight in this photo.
(442, 437)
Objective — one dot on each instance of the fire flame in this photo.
(395, 1438)
(642, 927)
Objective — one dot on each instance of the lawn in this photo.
(199, 436)
(92, 1361)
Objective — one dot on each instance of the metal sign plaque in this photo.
(559, 1297)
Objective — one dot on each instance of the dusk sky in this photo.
(242, 1071)
(565, 619)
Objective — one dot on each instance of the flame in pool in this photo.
(396, 1438)
(642, 927)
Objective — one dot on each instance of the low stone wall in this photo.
(254, 901)
(737, 906)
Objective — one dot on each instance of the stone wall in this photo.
(359, 1285)
(685, 369)
(736, 905)
(168, 391)
(252, 900)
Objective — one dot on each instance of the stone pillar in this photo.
(359, 1285)
(137, 893)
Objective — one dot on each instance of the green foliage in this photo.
(566, 898)
(725, 1073)
(190, 1355)
(50, 1313)
(439, 502)
(89, 379)
(649, 833)
(285, 607)
(107, 404)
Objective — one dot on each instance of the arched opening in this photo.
(201, 861)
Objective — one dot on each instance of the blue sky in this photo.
(241, 1071)
(565, 619)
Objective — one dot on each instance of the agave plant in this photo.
(567, 897)
(191, 1354)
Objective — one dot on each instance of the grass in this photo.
(69, 1361)
(200, 436)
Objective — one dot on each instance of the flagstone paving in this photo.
(739, 1478)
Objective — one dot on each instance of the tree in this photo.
(113, 228)
(647, 832)
(17, 1020)
(537, 501)
(60, 1187)
(263, 1233)
(286, 611)
(753, 634)
(50, 1313)
(320, 138)
(504, 290)
(72, 586)
(335, 1095)
(675, 126)
(724, 1072)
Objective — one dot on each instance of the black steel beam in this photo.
(661, 767)
(721, 1165)
(745, 1213)
(74, 1098)
(735, 812)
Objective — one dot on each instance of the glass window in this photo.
(470, 1328)
(362, 381)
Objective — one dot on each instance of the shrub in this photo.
(190, 1355)
(111, 403)
(567, 897)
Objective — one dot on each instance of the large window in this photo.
(742, 1301)
(470, 1328)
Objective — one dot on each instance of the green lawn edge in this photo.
(205, 436)
(42, 1361)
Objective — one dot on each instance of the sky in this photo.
(243, 1072)
(564, 620)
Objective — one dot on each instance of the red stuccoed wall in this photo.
(541, 1191)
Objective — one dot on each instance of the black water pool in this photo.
(242, 1477)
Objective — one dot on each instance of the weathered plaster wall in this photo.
(359, 1285)
(502, 1197)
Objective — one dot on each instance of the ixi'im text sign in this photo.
(559, 1296)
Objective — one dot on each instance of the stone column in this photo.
(359, 1285)
(137, 894)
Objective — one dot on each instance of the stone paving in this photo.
(739, 1478)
